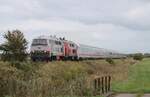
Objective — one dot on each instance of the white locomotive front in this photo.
(46, 48)
(52, 48)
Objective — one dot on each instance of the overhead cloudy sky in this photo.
(121, 25)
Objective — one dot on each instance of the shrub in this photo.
(42, 79)
(61, 79)
(110, 61)
(138, 56)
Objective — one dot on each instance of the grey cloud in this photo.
(115, 24)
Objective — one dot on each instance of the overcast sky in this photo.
(121, 25)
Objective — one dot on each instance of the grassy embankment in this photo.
(138, 79)
(63, 78)
(57, 78)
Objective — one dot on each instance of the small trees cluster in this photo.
(147, 55)
(138, 56)
(14, 47)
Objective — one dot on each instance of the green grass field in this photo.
(138, 79)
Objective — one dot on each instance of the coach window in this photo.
(72, 45)
(62, 50)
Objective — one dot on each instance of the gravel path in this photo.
(146, 95)
(131, 95)
(126, 95)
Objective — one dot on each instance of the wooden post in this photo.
(109, 82)
(95, 85)
(106, 84)
(102, 85)
(99, 88)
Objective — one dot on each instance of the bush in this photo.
(42, 80)
(138, 56)
(110, 61)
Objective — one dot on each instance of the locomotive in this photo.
(52, 48)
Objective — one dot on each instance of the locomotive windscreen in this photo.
(39, 42)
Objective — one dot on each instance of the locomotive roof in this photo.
(102, 49)
(48, 37)
(54, 38)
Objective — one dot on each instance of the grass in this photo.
(140, 94)
(138, 79)
(65, 96)
(58, 78)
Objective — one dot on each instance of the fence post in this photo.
(106, 83)
(95, 84)
(103, 85)
(109, 82)
(98, 82)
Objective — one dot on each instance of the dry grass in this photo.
(118, 71)
(57, 78)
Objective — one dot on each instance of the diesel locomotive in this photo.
(52, 48)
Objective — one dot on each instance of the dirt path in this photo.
(131, 95)
(126, 95)
(146, 95)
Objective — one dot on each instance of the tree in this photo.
(14, 48)
(110, 60)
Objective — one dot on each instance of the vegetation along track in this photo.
(57, 78)
(138, 79)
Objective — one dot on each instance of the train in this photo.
(48, 48)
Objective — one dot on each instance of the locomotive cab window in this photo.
(39, 42)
